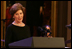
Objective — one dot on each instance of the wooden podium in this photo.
(39, 42)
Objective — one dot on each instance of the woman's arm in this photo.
(8, 37)
(28, 32)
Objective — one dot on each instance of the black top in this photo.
(16, 33)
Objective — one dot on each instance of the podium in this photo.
(39, 42)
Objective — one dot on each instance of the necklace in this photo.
(18, 24)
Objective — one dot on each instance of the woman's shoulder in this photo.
(10, 26)
(26, 26)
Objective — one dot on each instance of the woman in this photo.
(17, 30)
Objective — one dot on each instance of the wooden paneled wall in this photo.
(68, 22)
(3, 16)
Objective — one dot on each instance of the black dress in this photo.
(16, 33)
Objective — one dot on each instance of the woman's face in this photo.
(18, 16)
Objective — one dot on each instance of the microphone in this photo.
(4, 20)
(69, 26)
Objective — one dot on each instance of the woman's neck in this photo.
(21, 24)
(18, 22)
